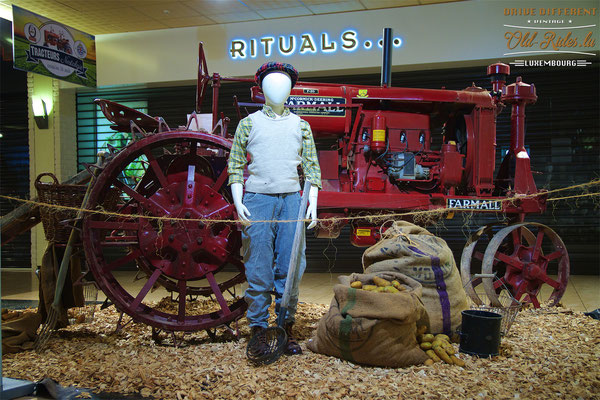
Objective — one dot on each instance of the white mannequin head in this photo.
(276, 87)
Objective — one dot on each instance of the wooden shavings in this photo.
(550, 353)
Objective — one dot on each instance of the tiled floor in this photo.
(583, 292)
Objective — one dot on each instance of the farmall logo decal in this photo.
(474, 204)
(329, 103)
(550, 31)
(303, 44)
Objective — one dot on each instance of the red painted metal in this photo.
(363, 236)
(451, 167)
(378, 133)
(525, 266)
(203, 79)
(520, 94)
(498, 73)
(122, 116)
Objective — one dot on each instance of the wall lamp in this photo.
(40, 113)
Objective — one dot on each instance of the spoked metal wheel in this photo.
(525, 266)
(164, 226)
(471, 262)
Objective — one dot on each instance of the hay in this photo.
(547, 354)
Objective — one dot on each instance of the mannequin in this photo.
(276, 87)
(277, 142)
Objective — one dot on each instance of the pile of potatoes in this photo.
(380, 285)
(438, 348)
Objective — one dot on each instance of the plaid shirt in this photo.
(238, 155)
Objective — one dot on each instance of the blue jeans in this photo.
(267, 251)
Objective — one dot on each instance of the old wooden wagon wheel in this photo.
(163, 226)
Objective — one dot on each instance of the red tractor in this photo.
(398, 151)
(50, 38)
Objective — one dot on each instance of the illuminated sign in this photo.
(303, 44)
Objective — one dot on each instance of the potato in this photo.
(441, 336)
(396, 284)
(433, 356)
(391, 289)
(429, 361)
(441, 353)
(369, 287)
(457, 361)
(448, 348)
(381, 282)
(436, 342)
(425, 345)
(422, 330)
(356, 284)
(380, 289)
(428, 337)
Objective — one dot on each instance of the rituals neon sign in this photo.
(303, 44)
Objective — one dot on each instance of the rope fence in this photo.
(369, 217)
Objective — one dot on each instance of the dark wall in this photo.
(14, 147)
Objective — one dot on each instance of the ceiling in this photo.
(115, 16)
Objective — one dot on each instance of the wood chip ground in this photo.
(547, 354)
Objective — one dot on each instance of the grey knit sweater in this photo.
(275, 147)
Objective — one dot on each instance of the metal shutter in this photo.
(14, 158)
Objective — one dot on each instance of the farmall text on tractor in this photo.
(383, 160)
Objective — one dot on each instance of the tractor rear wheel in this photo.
(174, 224)
(523, 257)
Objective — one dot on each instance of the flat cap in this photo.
(273, 66)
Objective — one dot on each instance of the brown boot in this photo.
(292, 346)
(261, 346)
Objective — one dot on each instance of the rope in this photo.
(327, 220)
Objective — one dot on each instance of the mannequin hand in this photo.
(311, 212)
(237, 191)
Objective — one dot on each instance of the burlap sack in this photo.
(72, 295)
(19, 334)
(412, 250)
(373, 328)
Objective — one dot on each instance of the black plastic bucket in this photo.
(480, 333)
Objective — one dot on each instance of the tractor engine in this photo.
(401, 153)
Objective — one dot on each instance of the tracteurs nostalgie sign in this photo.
(50, 48)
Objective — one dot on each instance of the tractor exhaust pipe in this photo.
(386, 65)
